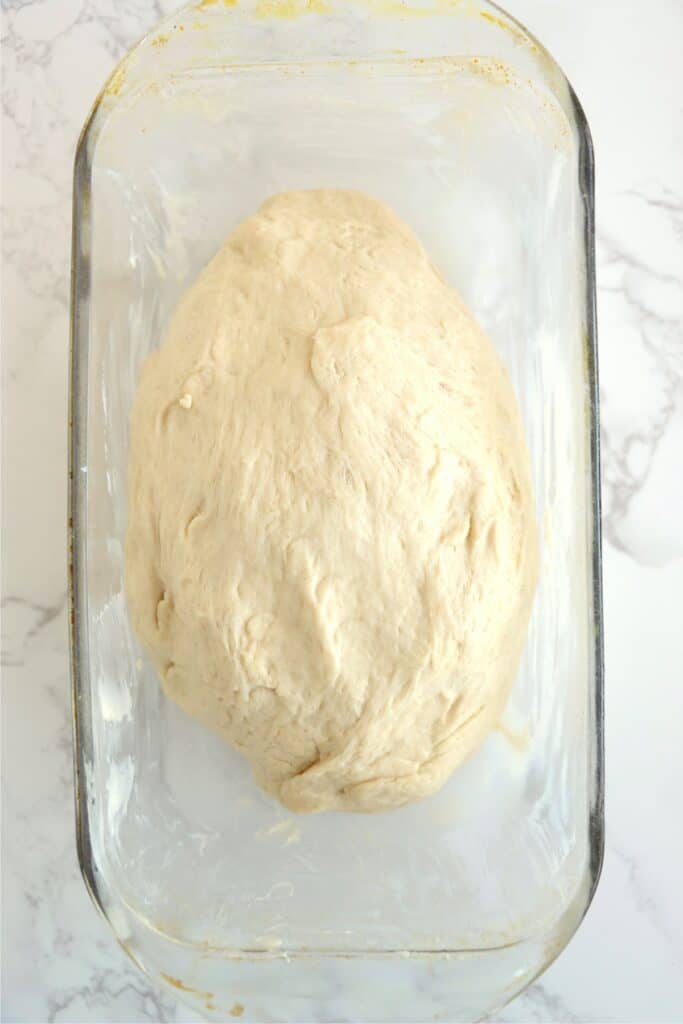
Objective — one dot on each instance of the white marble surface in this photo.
(59, 961)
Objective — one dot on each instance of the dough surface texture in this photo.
(331, 548)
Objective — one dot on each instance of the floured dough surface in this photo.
(331, 549)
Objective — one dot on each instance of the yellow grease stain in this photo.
(288, 10)
(212, 3)
(405, 10)
(182, 987)
(115, 83)
(512, 30)
(236, 1010)
(495, 71)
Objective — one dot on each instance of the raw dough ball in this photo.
(331, 550)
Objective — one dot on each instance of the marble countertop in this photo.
(59, 961)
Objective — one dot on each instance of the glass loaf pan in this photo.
(453, 114)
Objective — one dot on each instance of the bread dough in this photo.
(331, 549)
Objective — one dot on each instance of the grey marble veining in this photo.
(59, 961)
